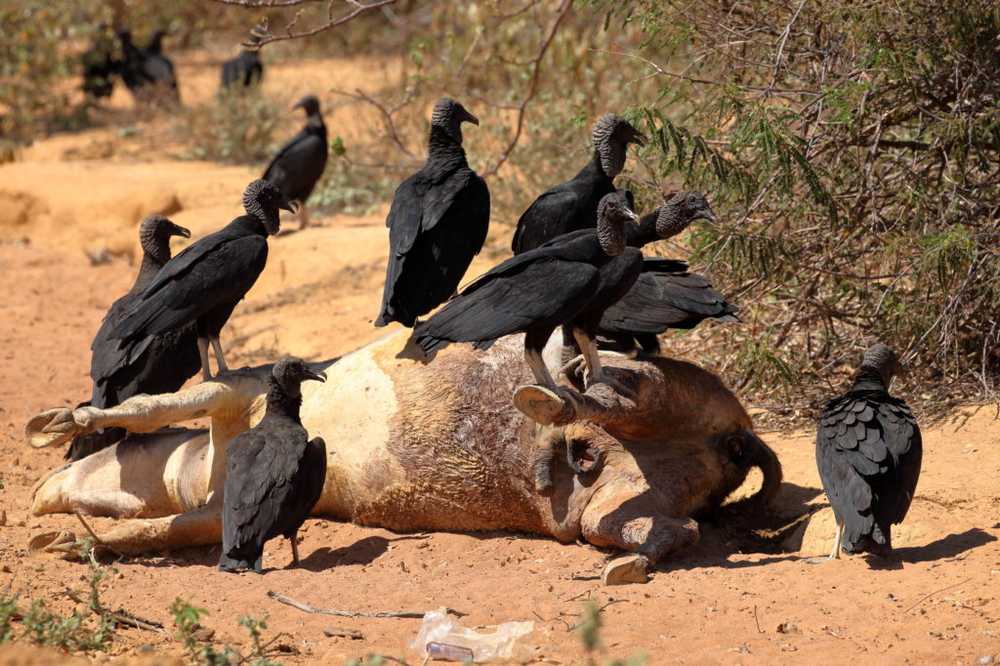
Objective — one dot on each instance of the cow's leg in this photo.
(622, 516)
(141, 413)
(200, 527)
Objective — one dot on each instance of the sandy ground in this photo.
(729, 600)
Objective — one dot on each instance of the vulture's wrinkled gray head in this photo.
(880, 358)
(262, 199)
(613, 211)
(309, 104)
(291, 371)
(611, 135)
(449, 116)
(154, 236)
(680, 210)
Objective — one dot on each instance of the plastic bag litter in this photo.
(501, 644)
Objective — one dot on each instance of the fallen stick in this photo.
(306, 608)
(93, 535)
(353, 634)
(120, 616)
(928, 596)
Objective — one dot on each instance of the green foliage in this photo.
(87, 629)
(238, 126)
(187, 621)
(589, 630)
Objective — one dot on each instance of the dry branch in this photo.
(536, 64)
(265, 36)
(306, 608)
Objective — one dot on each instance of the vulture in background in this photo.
(299, 164)
(437, 223)
(572, 205)
(868, 450)
(160, 364)
(203, 284)
(274, 473)
(99, 66)
(568, 282)
(245, 70)
(666, 295)
(147, 73)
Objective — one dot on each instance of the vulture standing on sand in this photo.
(99, 66)
(203, 284)
(572, 205)
(144, 70)
(666, 295)
(158, 364)
(437, 223)
(274, 474)
(245, 70)
(868, 450)
(299, 164)
(567, 282)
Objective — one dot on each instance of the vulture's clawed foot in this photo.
(571, 369)
(547, 406)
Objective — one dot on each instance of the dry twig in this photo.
(332, 21)
(306, 608)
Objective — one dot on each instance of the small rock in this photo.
(787, 628)
(788, 647)
(3, 517)
(203, 634)
(626, 570)
(986, 660)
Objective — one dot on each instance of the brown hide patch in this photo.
(465, 450)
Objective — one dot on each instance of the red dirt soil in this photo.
(712, 604)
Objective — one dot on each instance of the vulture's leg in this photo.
(206, 370)
(219, 358)
(534, 359)
(303, 215)
(838, 542)
(593, 360)
(293, 540)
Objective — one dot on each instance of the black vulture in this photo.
(666, 295)
(99, 66)
(572, 205)
(203, 284)
(569, 282)
(147, 72)
(299, 164)
(868, 449)
(160, 364)
(437, 223)
(243, 71)
(274, 474)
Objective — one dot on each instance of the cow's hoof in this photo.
(543, 405)
(63, 545)
(52, 427)
(625, 570)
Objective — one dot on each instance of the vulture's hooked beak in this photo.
(469, 118)
(290, 206)
(178, 230)
(316, 376)
(632, 215)
(638, 139)
(708, 215)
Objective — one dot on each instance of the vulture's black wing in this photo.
(298, 165)
(526, 290)
(219, 268)
(666, 296)
(866, 447)
(259, 482)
